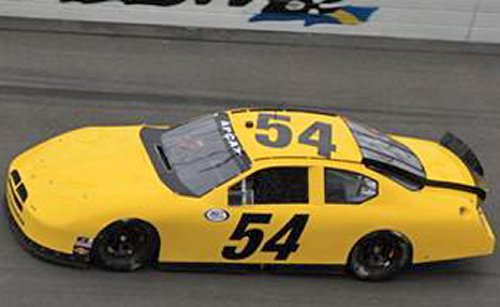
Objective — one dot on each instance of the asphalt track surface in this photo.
(50, 83)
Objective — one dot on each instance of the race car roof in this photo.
(288, 133)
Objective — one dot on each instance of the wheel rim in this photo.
(124, 244)
(379, 257)
(124, 247)
(380, 254)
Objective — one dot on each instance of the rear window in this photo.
(377, 146)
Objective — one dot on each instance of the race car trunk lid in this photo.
(451, 166)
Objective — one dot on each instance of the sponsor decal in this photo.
(216, 215)
(311, 12)
(82, 246)
(230, 137)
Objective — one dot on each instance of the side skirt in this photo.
(249, 268)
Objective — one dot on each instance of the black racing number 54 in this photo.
(292, 231)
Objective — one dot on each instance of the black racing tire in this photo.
(379, 256)
(126, 246)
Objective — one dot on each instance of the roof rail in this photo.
(283, 109)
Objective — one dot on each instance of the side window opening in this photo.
(277, 185)
(343, 187)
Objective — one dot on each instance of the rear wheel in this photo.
(125, 246)
(379, 256)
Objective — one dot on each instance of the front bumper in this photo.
(39, 251)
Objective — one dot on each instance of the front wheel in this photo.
(125, 246)
(379, 256)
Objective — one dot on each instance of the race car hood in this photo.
(92, 168)
(440, 164)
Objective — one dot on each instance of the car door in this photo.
(272, 210)
(262, 216)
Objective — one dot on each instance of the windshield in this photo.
(203, 153)
(377, 146)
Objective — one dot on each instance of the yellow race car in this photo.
(249, 188)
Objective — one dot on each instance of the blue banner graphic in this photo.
(314, 12)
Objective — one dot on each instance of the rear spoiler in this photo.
(459, 148)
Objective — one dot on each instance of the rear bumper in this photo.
(36, 249)
(488, 230)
